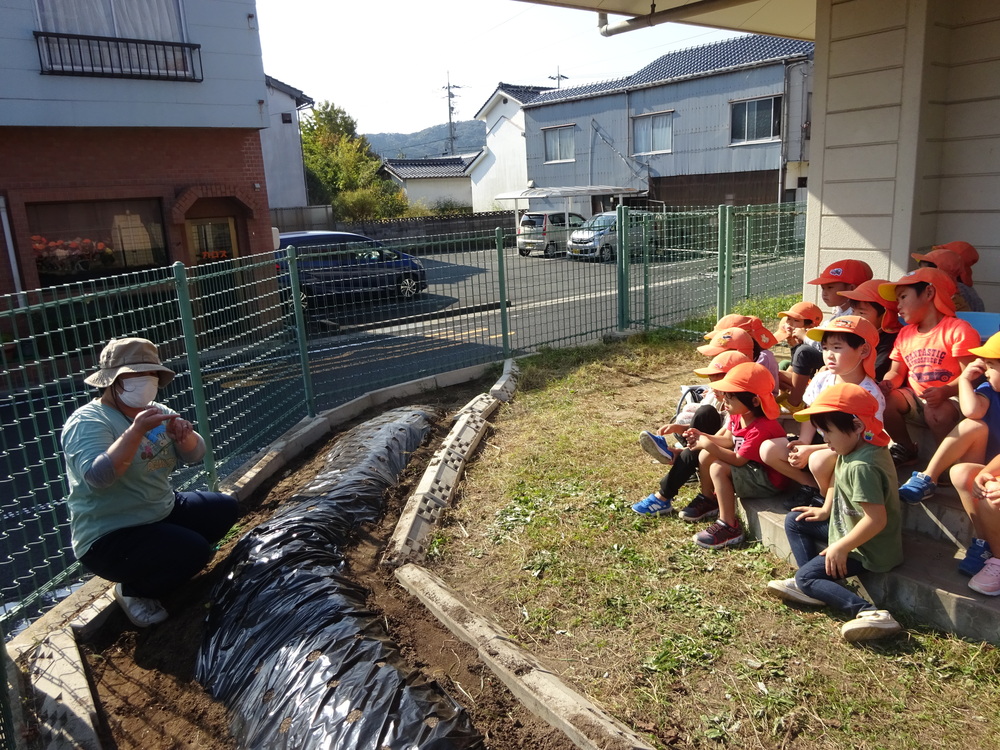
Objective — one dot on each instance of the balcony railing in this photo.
(114, 57)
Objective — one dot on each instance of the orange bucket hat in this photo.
(946, 260)
(851, 324)
(868, 292)
(749, 323)
(728, 338)
(968, 254)
(849, 399)
(945, 287)
(722, 363)
(751, 378)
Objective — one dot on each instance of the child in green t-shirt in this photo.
(859, 524)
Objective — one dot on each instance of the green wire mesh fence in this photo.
(260, 342)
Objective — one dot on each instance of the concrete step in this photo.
(927, 586)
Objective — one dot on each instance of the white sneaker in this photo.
(141, 611)
(789, 590)
(870, 624)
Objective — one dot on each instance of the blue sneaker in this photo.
(975, 557)
(917, 488)
(656, 446)
(653, 506)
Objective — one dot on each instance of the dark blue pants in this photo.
(807, 538)
(154, 559)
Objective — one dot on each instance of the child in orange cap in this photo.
(705, 416)
(849, 357)
(966, 299)
(974, 439)
(729, 463)
(735, 339)
(806, 358)
(842, 276)
(763, 339)
(965, 251)
(930, 353)
(881, 313)
(859, 523)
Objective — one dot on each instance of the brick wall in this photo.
(178, 166)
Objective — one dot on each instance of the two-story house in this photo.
(720, 123)
(281, 144)
(129, 137)
(502, 168)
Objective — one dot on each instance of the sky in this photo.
(387, 64)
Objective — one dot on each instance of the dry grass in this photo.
(677, 641)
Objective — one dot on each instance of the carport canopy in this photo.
(568, 193)
(795, 19)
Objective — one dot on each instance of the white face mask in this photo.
(138, 392)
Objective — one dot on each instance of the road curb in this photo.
(436, 489)
(543, 693)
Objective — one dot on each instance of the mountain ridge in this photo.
(470, 137)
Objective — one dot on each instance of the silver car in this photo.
(598, 237)
(545, 231)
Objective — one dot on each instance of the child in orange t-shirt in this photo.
(930, 352)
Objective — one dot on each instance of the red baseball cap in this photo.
(945, 287)
(750, 377)
(968, 254)
(850, 399)
(851, 324)
(868, 292)
(723, 363)
(848, 271)
(728, 339)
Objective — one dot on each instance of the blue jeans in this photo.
(153, 559)
(807, 538)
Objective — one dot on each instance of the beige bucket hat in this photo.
(128, 355)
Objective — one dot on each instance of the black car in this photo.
(340, 264)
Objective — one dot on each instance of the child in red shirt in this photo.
(729, 462)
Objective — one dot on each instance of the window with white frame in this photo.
(756, 120)
(559, 143)
(652, 133)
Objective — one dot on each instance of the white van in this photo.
(545, 230)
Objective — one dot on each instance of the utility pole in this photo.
(451, 110)
(558, 78)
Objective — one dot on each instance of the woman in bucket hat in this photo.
(127, 523)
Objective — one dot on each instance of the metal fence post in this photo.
(194, 369)
(645, 271)
(300, 329)
(724, 297)
(622, 259)
(747, 251)
(502, 281)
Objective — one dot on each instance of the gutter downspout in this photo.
(680, 13)
(8, 238)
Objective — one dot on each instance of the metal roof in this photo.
(794, 19)
(708, 59)
(568, 192)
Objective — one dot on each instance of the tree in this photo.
(342, 170)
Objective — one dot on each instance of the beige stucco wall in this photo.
(906, 121)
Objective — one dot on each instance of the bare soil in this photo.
(144, 679)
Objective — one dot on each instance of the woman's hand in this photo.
(148, 419)
(179, 429)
